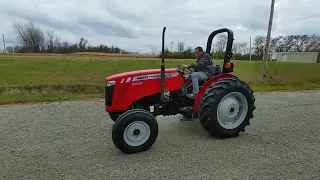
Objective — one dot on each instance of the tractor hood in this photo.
(132, 74)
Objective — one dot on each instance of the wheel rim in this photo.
(136, 133)
(232, 110)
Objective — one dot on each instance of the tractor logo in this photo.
(148, 77)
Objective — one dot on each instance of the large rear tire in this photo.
(134, 131)
(226, 108)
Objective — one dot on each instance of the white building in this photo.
(310, 57)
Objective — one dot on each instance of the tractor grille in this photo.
(109, 95)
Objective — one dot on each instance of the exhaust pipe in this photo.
(162, 68)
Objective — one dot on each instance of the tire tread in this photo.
(211, 99)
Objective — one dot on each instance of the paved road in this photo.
(72, 140)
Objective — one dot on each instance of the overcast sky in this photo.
(137, 25)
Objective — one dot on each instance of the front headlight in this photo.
(111, 83)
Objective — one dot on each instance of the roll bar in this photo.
(227, 56)
(228, 52)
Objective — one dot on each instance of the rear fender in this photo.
(205, 86)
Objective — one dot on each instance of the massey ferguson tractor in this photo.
(224, 104)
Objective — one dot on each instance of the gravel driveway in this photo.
(72, 140)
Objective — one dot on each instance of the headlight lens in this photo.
(111, 83)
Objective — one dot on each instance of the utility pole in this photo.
(266, 54)
(250, 49)
(4, 44)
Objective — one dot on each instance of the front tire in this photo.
(226, 108)
(134, 131)
(114, 116)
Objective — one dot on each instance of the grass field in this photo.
(46, 77)
(77, 54)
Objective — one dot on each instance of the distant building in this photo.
(308, 57)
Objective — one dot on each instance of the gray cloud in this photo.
(138, 24)
(108, 28)
(99, 24)
(256, 18)
(120, 13)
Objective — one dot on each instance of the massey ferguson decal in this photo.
(147, 77)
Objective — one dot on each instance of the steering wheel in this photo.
(181, 70)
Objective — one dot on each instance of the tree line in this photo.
(34, 40)
(241, 50)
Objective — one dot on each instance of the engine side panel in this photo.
(129, 89)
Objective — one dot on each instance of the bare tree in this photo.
(221, 43)
(180, 46)
(313, 43)
(259, 44)
(30, 36)
(235, 48)
(82, 44)
(189, 49)
(239, 48)
(53, 41)
(243, 48)
(297, 43)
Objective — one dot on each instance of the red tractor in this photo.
(224, 104)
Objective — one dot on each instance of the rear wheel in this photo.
(226, 108)
(136, 130)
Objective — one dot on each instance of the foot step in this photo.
(186, 109)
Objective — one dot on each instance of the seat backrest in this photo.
(217, 69)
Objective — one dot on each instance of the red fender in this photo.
(205, 86)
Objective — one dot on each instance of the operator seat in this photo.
(217, 70)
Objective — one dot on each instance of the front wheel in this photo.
(136, 130)
(226, 108)
(114, 115)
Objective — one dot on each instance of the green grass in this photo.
(50, 78)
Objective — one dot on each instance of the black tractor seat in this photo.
(217, 70)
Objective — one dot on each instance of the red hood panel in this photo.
(138, 73)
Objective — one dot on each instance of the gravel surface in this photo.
(72, 140)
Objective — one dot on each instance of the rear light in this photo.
(229, 65)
